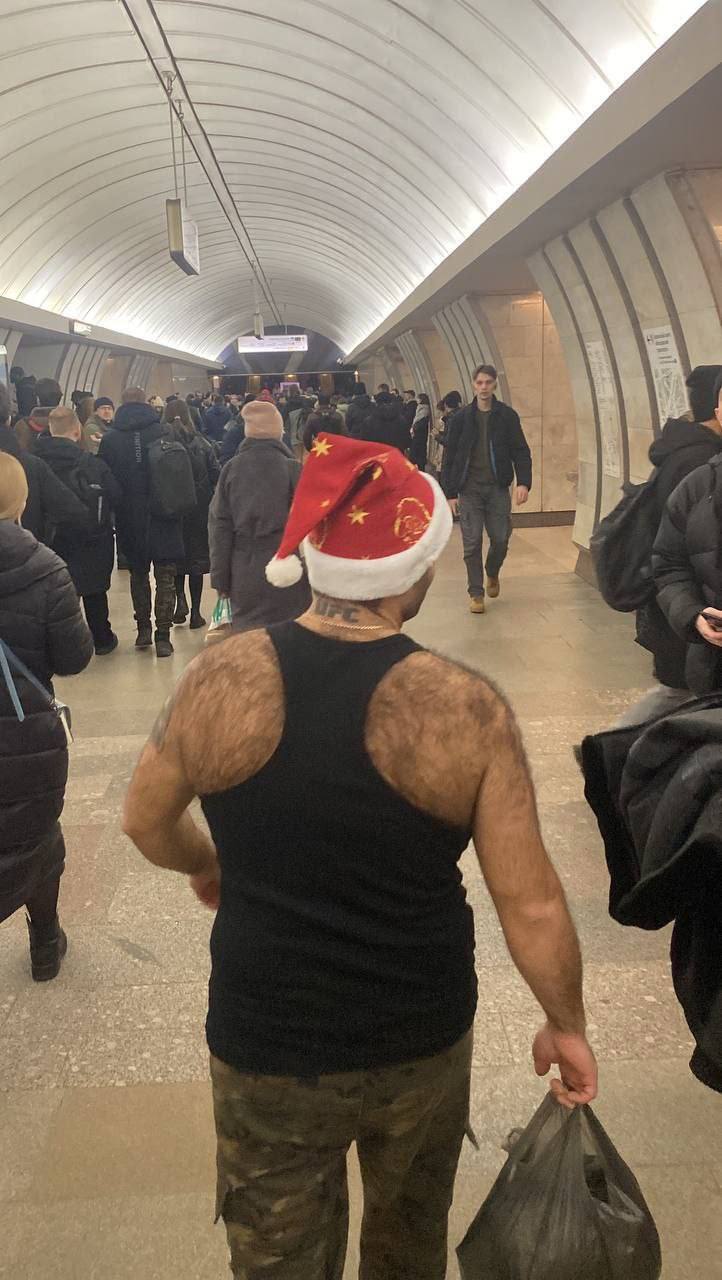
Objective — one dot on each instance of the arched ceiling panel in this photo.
(342, 149)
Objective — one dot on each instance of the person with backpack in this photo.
(88, 552)
(622, 545)
(687, 567)
(42, 628)
(157, 490)
(206, 469)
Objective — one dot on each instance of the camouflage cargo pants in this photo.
(282, 1187)
(141, 596)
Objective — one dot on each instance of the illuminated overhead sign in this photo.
(182, 238)
(81, 328)
(273, 342)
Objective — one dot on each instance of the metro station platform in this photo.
(106, 1133)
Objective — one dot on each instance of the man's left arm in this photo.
(521, 458)
(156, 813)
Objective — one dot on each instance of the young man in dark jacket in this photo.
(143, 538)
(687, 566)
(683, 446)
(485, 450)
(88, 552)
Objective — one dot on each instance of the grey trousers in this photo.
(486, 507)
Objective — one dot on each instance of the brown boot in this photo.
(476, 604)
(493, 587)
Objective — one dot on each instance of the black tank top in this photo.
(344, 940)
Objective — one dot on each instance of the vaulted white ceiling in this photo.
(343, 147)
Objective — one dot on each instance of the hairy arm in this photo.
(532, 908)
(156, 813)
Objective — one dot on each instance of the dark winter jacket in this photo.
(40, 620)
(232, 440)
(214, 422)
(247, 518)
(386, 424)
(89, 552)
(510, 453)
(142, 537)
(682, 447)
(49, 502)
(322, 420)
(357, 412)
(206, 470)
(657, 795)
(687, 567)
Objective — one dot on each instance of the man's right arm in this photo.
(532, 908)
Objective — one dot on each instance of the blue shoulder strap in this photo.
(8, 658)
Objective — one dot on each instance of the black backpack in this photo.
(621, 547)
(170, 478)
(93, 496)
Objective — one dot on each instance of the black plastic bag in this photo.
(564, 1207)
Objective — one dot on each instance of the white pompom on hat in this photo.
(262, 420)
(369, 521)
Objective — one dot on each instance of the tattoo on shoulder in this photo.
(160, 728)
(326, 607)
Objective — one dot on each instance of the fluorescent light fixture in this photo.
(273, 342)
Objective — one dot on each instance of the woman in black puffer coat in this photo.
(687, 564)
(41, 623)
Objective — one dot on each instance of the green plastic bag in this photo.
(220, 624)
(564, 1207)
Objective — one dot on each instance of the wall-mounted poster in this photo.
(667, 372)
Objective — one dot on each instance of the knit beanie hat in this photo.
(13, 488)
(263, 421)
(701, 383)
(370, 522)
(103, 400)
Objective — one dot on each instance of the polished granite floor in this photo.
(106, 1140)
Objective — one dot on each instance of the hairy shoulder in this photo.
(225, 716)
(433, 729)
(435, 686)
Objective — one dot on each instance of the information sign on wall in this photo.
(604, 387)
(248, 345)
(667, 372)
(183, 238)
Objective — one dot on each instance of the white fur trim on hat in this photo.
(284, 573)
(387, 576)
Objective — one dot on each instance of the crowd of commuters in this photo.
(343, 989)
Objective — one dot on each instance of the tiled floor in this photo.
(106, 1142)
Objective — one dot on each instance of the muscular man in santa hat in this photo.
(343, 770)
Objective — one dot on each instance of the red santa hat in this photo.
(369, 521)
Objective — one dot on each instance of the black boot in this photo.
(163, 646)
(181, 604)
(195, 582)
(196, 620)
(47, 948)
(145, 636)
